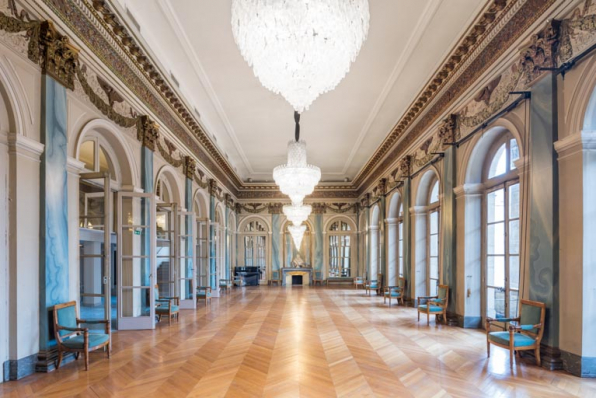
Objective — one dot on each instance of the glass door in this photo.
(95, 248)
(186, 273)
(202, 252)
(136, 260)
(166, 251)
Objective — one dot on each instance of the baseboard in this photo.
(578, 365)
(47, 359)
(16, 369)
(469, 322)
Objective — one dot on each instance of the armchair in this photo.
(204, 293)
(524, 332)
(358, 281)
(318, 278)
(435, 305)
(166, 306)
(72, 338)
(275, 278)
(375, 284)
(396, 292)
(225, 285)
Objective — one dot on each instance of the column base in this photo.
(47, 360)
(578, 365)
(551, 357)
(16, 369)
(469, 322)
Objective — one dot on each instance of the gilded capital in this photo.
(147, 132)
(541, 51)
(447, 131)
(275, 208)
(190, 167)
(319, 208)
(213, 187)
(58, 57)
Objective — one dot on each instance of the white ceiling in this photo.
(407, 41)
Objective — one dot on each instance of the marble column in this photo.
(319, 243)
(468, 299)
(212, 248)
(577, 187)
(448, 227)
(275, 242)
(544, 205)
(373, 271)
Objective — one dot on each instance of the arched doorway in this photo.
(341, 246)
(255, 245)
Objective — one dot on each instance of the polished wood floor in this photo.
(300, 342)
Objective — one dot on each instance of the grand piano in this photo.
(251, 275)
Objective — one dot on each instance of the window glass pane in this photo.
(87, 154)
(434, 245)
(514, 153)
(498, 165)
(434, 193)
(401, 210)
(513, 303)
(434, 222)
(105, 164)
(514, 237)
(495, 271)
(495, 303)
(495, 205)
(514, 201)
(434, 268)
(495, 238)
(514, 272)
(334, 226)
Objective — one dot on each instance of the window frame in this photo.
(434, 207)
(340, 236)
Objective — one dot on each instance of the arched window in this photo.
(501, 229)
(96, 158)
(400, 241)
(162, 191)
(339, 249)
(432, 238)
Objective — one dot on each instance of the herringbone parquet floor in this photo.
(309, 342)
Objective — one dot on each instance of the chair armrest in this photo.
(524, 327)
(94, 322)
(84, 330)
(490, 320)
(428, 297)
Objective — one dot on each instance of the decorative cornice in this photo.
(496, 31)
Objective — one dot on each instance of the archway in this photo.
(340, 243)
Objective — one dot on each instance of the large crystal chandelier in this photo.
(297, 232)
(297, 213)
(297, 178)
(300, 48)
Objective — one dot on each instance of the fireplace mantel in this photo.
(288, 272)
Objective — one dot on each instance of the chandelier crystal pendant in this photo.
(297, 213)
(297, 178)
(300, 48)
(297, 232)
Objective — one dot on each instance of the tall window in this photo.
(339, 249)
(433, 239)
(255, 246)
(502, 230)
(400, 241)
(96, 158)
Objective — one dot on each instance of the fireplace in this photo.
(296, 280)
(289, 276)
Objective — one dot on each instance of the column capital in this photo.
(472, 189)
(147, 132)
(190, 167)
(57, 56)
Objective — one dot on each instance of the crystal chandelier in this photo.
(297, 232)
(300, 48)
(297, 213)
(297, 178)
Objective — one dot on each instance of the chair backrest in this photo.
(380, 278)
(156, 291)
(274, 275)
(318, 275)
(443, 295)
(401, 282)
(532, 313)
(65, 315)
(359, 279)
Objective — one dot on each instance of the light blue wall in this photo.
(319, 244)
(54, 206)
(275, 241)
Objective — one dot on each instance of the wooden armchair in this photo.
(275, 278)
(225, 285)
(318, 278)
(358, 281)
(72, 338)
(203, 293)
(524, 332)
(375, 284)
(435, 305)
(396, 292)
(166, 306)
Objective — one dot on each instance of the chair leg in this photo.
(428, 319)
(418, 316)
(86, 358)
(109, 349)
(487, 348)
(169, 319)
(511, 357)
(59, 358)
(537, 353)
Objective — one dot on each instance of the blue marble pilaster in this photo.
(289, 250)
(448, 224)
(189, 261)
(544, 227)
(275, 242)
(367, 242)
(319, 242)
(381, 268)
(228, 244)
(147, 185)
(407, 244)
(53, 286)
(212, 254)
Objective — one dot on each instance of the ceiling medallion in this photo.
(300, 48)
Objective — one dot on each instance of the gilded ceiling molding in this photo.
(277, 208)
(500, 28)
(109, 40)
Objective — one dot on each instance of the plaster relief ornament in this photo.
(300, 48)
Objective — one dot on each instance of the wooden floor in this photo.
(291, 342)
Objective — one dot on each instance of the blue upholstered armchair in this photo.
(434, 305)
(275, 278)
(72, 338)
(358, 281)
(166, 306)
(375, 284)
(396, 292)
(524, 332)
(203, 293)
(225, 285)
